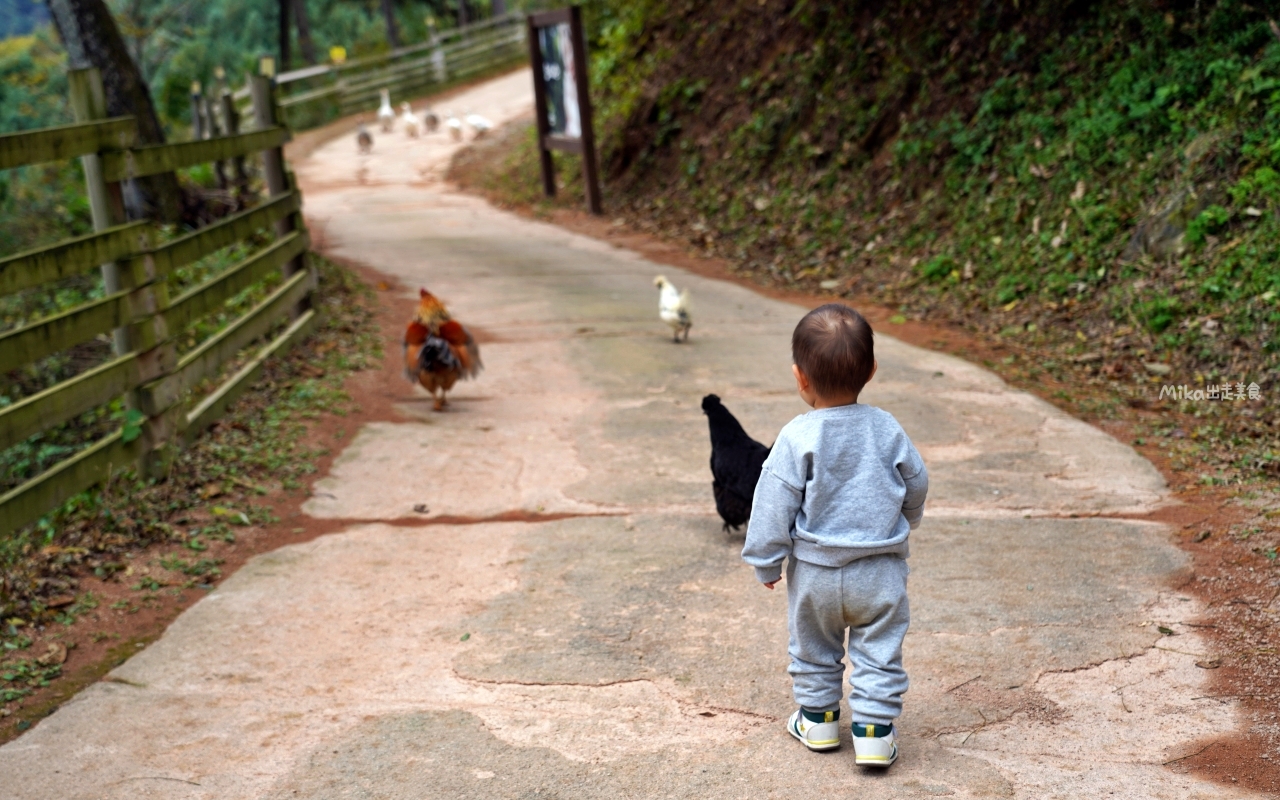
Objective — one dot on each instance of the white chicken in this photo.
(454, 125)
(673, 308)
(412, 125)
(478, 124)
(386, 114)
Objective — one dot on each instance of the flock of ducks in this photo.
(416, 125)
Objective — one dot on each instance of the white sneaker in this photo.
(823, 735)
(874, 745)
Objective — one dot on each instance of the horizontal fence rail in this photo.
(65, 141)
(326, 92)
(146, 374)
(72, 257)
(154, 159)
(33, 499)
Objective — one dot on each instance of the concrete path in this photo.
(624, 650)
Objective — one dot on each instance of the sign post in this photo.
(558, 55)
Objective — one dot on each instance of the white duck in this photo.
(454, 125)
(673, 308)
(479, 124)
(431, 120)
(386, 114)
(412, 125)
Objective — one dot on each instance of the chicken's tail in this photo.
(464, 347)
(414, 337)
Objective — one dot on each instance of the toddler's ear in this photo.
(802, 380)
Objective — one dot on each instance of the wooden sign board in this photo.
(558, 55)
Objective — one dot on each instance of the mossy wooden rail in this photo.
(146, 370)
(326, 92)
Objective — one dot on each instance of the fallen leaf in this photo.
(1087, 358)
(706, 713)
(1078, 194)
(1164, 630)
(1212, 663)
(465, 637)
(1156, 368)
(897, 319)
(211, 491)
(421, 508)
(383, 286)
(829, 284)
(1009, 306)
(60, 601)
(238, 517)
(56, 654)
(1202, 535)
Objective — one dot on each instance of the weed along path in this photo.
(566, 617)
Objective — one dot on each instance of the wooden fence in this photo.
(315, 95)
(135, 259)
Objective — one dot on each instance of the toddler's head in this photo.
(833, 353)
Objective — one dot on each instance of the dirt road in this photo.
(615, 645)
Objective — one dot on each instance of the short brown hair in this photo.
(833, 346)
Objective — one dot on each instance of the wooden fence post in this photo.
(197, 115)
(265, 115)
(590, 173)
(232, 117)
(106, 204)
(540, 111)
(146, 335)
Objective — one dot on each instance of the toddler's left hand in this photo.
(772, 584)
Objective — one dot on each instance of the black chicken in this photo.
(736, 460)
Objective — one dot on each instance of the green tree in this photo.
(91, 38)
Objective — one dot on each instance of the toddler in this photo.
(838, 495)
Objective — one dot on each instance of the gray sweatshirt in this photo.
(840, 484)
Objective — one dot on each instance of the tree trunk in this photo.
(283, 18)
(499, 7)
(389, 14)
(305, 43)
(462, 13)
(92, 39)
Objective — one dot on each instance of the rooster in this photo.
(673, 308)
(736, 461)
(438, 350)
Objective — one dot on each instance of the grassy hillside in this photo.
(1096, 184)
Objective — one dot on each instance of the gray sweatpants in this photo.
(867, 598)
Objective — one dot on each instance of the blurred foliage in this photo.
(46, 202)
(20, 17)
